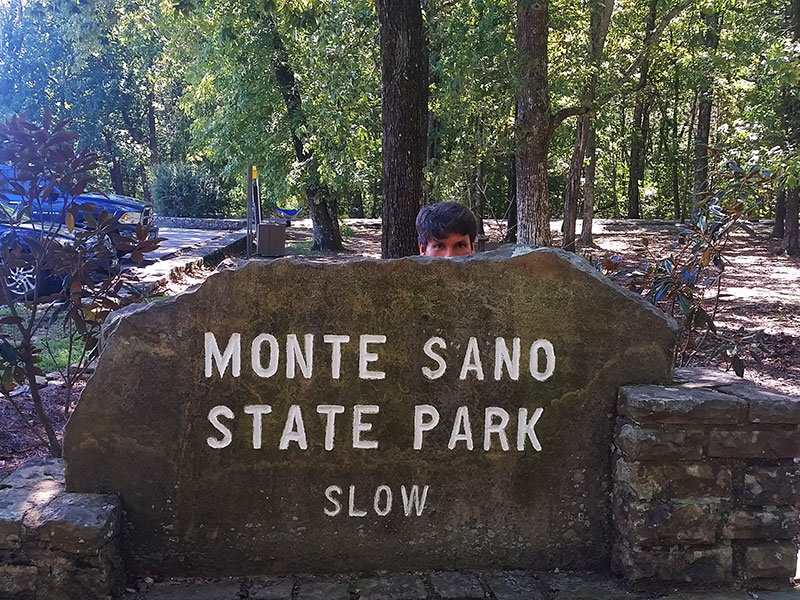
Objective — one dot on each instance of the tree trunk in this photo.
(600, 21)
(791, 104)
(573, 188)
(588, 187)
(701, 183)
(116, 175)
(321, 205)
(791, 233)
(780, 215)
(358, 205)
(511, 231)
(152, 142)
(534, 124)
(404, 109)
(639, 127)
(689, 161)
(676, 196)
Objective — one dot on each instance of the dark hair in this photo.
(437, 221)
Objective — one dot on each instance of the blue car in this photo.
(128, 212)
(20, 275)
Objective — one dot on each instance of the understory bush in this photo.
(186, 190)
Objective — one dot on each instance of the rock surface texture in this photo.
(56, 545)
(369, 415)
(706, 485)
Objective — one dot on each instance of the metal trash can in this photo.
(271, 239)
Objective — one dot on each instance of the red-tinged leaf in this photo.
(738, 365)
(74, 286)
(69, 219)
(137, 257)
(47, 117)
(65, 135)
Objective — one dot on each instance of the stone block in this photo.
(703, 377)
(456, 586)
(771, 485)
(78, 523)
(510, 585)
(18, 582)
(652, 404)
(766, 406)
(678, 479)
(779, 523)
(776, 560)
(31, 473)
(679, 563)
(754, 444)
(653, 444)
(271, 589)
(324, 590)
(563, 586)
(402, 586)
(222, 590)
(659, 522)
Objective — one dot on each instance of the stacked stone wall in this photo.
(706, 482)
(56, 545)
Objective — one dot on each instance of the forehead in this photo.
(451, 238)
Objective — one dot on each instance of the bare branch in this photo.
(566, 113)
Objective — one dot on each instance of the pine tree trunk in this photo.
(688, 175)
(404, 94)
(588, 186)
(533, 126)
(701, 183)
(780, 215)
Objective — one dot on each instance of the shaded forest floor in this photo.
(761, 290)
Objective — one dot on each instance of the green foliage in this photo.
(187, 190)
(686, 280)
(82, 262)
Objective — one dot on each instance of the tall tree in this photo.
(791, 109)
(600, 20)
(710, 41)
(640, 126)
(404, 85)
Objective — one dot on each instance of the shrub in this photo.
(184, 190)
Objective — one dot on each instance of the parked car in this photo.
(20, 274)
(128, 212)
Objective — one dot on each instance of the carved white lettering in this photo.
(257, 410)
(294, 430)
(550, 360)
(502, 358)
(462, 432)
(472, 360)
(336, 342)
(428, 350)
(360, 427)
(365, 356)
(303, 359)
(490, 427)
(525, 429)
(213, 416)
(337, 506)
(232, 354)
(331, 410)
(421, 424)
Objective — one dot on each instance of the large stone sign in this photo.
(291, 417)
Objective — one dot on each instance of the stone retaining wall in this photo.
(200, 223)
(705, 482)
(56, 545)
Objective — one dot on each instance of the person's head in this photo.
(446, 229)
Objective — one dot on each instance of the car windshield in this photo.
(9, 174)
